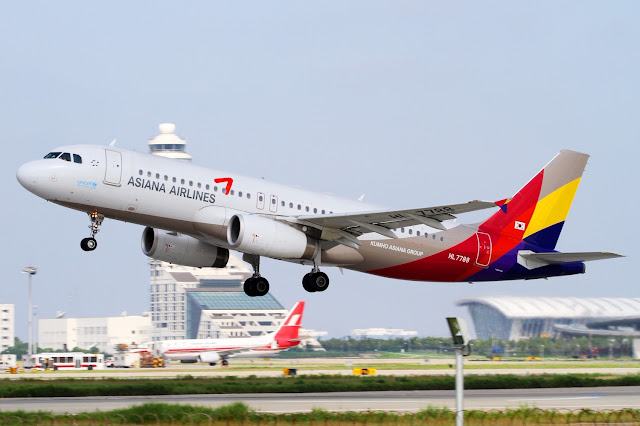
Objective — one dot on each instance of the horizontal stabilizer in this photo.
(532, 260)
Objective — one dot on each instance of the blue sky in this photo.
(412, 103)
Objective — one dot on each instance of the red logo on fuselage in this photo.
(229, 182)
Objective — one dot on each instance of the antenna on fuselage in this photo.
(113, 143)
(361, 197)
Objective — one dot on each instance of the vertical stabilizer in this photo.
(537, 212)
(287, 334)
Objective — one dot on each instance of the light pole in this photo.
(31, 271)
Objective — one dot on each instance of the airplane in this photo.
(213, 350)
(194, 215)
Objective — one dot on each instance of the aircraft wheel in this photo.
(306, 283)
(319, 281)
(224, 362)
(250, 287)
(212, 364)
(88, 244)
(260, 287)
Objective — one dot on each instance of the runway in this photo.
(611, 398)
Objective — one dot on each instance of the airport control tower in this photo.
(168, 144)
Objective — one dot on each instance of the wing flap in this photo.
(382, 221)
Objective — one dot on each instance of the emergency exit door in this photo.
(484, 249)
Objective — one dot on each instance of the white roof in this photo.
(559, 307)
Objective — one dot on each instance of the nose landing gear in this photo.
(90, 244)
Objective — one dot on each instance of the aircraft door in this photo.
(113, 171)
(260, 202)
(484, 249)
(274, 204)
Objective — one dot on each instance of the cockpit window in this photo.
(77, 159)
(65, 156)
(52, 155)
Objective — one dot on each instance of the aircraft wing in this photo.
(381, 222)
(532, 260)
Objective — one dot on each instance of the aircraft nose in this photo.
(27, 175)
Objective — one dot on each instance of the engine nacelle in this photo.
(267, 237)
(182, 249)
(209, 357)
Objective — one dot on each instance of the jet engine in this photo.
(267, 237)
(182, 249)
(209, 357)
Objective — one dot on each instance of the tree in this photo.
(18, 349)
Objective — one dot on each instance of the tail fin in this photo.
(287, 334)
(537, 212)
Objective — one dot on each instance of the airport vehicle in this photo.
(213, 350)
(64, 360)
(195, 215)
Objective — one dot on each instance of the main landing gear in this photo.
(256, 285)
(90, 244)
(259, 286)
(315, 281)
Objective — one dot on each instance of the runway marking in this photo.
(555, 399)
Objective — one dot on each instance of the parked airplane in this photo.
(195, 215)
(214, 350)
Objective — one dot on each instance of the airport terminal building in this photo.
(514, 318)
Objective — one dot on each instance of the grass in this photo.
(239, 413)
(183, 385)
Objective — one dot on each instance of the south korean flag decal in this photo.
(520, 226)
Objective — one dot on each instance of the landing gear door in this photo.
(113, 171)
(484, 249)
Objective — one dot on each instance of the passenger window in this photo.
(418, 233)
(199, 185)
(273, 201)
(322, 211)
(434, 236)
(173, 180)
(206, 187)
(140, 172)
(166, 177)
(307, 208)
(65, 156)
(299, 207)
(315, 210)
(410, 231)
(148, 174)
(240, 194)
(215, 189)
(402, 230)
(248, 196)
(182, 181)
(260, 198)
(232, 191)
(190, 183)
(52, 155)
(290, 205)
(157, 175)
(77, 159)
(441, 238)
(282, 203)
